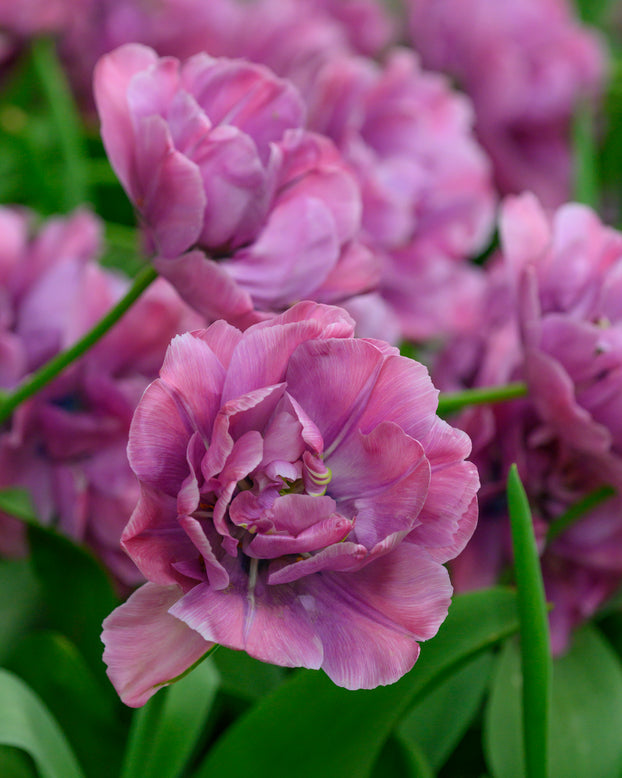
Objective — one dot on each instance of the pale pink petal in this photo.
(146, 647)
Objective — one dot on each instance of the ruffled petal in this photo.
(146, 647)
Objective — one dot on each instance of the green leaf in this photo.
(401, 758)
(586, 712)
(20, 596)
(534, 631)
(438, 722)
(78, 594)
(15, 763)
(17, 502)
(310, 726)
(166, 731)
(91, 718)
(25, 723)
(245, 677)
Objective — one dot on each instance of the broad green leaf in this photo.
(21, 601)
(401, 758)
(245, 677)
(78, 594)
(593, 11)
(586, 712)
(15, 763)
(91, 718)
(438, 721)
(310, 726)
(17, 502)
(27, 724)
(166, 731)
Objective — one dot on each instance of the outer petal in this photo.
(268, 622)
(146, 647)
(208, 288)
(113, 74)
(370, 621)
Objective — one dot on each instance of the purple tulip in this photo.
(248, 212)
(66, 445)
(550, 316)
(299, 497)
(526, 65)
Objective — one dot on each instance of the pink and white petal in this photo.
(112, 77)
(194, 377)
(222, 338)
(216, 573)
(208, 288)
(269, 623)
(449, 516)
(370, 621)
(335, 322)
(158, 440)
(262, 356)
(525, 230)
(404, 394)
(171, 196)
(382, 479)
(154, 540)
(333, 381)
(292, 256)
(342, 556)
(552, 392)
(146, 647)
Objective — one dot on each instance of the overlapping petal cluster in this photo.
(248, 211)
(428, 199)
(526, 66)
(299, 497)
(66, 445)
(552, 317)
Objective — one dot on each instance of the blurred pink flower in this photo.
(299, 497)
(248, 212)
(526, 65)
(551, 316)
(66, 445)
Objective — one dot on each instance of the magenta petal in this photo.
(208, 288)
(173, 202)
(262, 355)
(146, 647)
(553, 395)
(194, 377)
(382, 480)
(158, 440)
(269, 623)
(113, 74)
(154, 540)
(295, 252)
(370, 621)
(333, 382)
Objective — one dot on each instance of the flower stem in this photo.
(536, 661)
(66, 120)
(51, 369)
(449, 402)
(578, 510)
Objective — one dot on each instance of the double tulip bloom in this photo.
(248, 212)
(299, 497)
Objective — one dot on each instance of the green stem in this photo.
(51, 369)
(578, 510)
(536, 661)
(449, 402)
(66, 120)
(585, 156)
